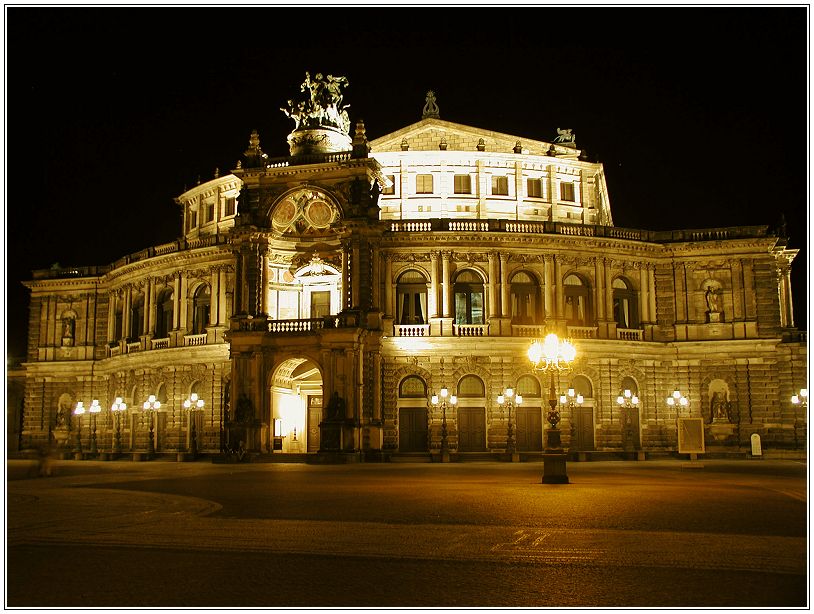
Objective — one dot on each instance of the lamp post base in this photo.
(554, 468)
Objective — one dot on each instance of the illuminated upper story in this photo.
(439, 169)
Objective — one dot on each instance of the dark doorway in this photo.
(471, 429)
(413, 429)
(529, 429)
(583, 429)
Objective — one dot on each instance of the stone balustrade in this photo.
(411, 330)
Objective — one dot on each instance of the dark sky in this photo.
(698, 114)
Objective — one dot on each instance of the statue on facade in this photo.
(244, 413)
(719, 408)
(565, 135)
(711, 297)
(430, 107)
(321, 106)
(336, 407)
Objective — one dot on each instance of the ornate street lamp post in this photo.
(78, 412)
(118, 406)
(800, 400)
(453, 401)
(193, 404)
(627, 402)
(94, 410)
(572, 400)
(506, 399)
(150, 406)
(553, 356)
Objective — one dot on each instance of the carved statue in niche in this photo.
(712, 296)
(336, 407)
(720, 408)
(244, 413)
(68, 330)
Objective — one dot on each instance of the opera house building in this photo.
(373, 300)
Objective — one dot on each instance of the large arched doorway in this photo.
(296, 407)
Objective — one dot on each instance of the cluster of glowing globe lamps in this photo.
(677, 399)
(453, 401)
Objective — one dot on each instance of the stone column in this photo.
(432, 299)
(128, 297)
(222, 313)
(651, 280)
(644, 294)
(345, 276)
(214, 296)
(559, 296)
(599, 272)
(262, 281)
(387, 308)
(376, 278)
(548, 278)
(176, 300)
(505, 304)
(184, 302)
(111, 316)
(149, 307)
(493, 285)
(447, 284)
(609, 296)
(786, 309)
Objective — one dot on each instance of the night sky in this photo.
(698, 114)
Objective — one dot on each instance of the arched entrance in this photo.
(296, 407)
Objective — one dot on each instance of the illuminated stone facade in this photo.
(316, 302)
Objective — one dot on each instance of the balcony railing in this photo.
(529, 330)
(160, 344)
(629, 334)
(470, 330)
(411, 330)
(199, 339)
(582, 332)
(114, 350)
(135, 346)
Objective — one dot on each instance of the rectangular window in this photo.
(534, 187)
(463, 184)
(320, 304)
(210, 212)
(567, 191)
(229, 206)
(423, 184)
(392, 189)
(192, 219)
(500, 186)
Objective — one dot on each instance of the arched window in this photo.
(625, 307)
(628, 383)
(411, 297)
(412, 387)
(471, 386)
(527, 307)
(528, 386)
(582, 385)
(200, 310)
(163, 314)
(468, 289)
(577, 301)
(137, 317)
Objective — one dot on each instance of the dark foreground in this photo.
(653, 534)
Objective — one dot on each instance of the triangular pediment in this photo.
(427, 135)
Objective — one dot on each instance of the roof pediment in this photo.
(427, 135)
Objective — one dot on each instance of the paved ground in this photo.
(651, 534)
